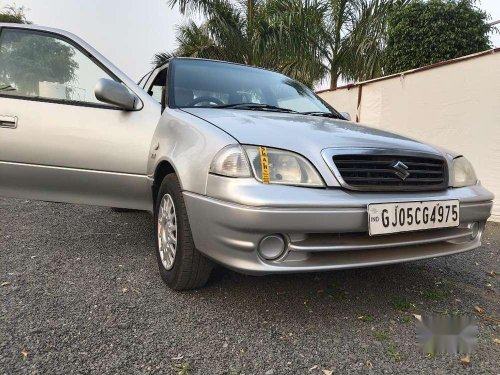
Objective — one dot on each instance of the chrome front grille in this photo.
(391, 172)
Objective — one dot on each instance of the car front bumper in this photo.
(324, 229)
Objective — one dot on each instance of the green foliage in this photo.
(401, 304)
(271, 34)
(12, 14)
(355, 40)
(366, 318)
(405, 319)
(426, 32)
(392, 351)
(288, 37)
(435, 295)
(183, 369)
(306, 40)
(27, 59)
(380, 336)
(9, 18)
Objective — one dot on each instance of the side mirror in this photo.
(346, 115)
(112, 92)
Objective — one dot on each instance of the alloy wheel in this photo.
(167, 231)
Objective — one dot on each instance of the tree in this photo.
(27, 59)
(424, 33)
(303, 39)
(356, 30)
(13, 14)
(250, 32)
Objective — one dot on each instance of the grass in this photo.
(392, 351)
(435, 295)
(448, 312)
(380, 336)
(391, 348)
(366, 318)
(183, 369)
(405, 319)
(401, 304)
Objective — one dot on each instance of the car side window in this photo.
(40, 65)
(157, 92)
(158, 87)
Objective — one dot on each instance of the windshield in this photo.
(202, 83)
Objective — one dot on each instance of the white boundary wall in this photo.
(455, 105)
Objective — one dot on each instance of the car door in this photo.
(57, 141)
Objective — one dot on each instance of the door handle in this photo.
(9, 122)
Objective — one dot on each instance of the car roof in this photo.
(225, 62)
(212, 60)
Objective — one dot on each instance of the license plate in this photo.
(387, 218)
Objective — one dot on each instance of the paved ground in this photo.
(81, 294)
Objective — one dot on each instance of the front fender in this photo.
(189, 144)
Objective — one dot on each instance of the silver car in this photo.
(240, 166)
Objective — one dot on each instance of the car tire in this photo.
(181, 265)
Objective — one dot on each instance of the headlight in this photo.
(463, 173)
(275, 166)
(231, 161)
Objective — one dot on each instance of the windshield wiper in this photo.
(255, 107)
(323, 114)
(269, 107)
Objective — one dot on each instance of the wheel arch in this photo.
(164, 168)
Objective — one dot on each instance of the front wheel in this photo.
(181, 265)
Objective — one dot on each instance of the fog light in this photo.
(474, 227)
(272, 246)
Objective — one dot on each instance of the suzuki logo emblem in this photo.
(401, 170)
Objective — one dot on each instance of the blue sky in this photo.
(129, 32)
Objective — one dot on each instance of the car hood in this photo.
(301, 133)
(306, 135)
